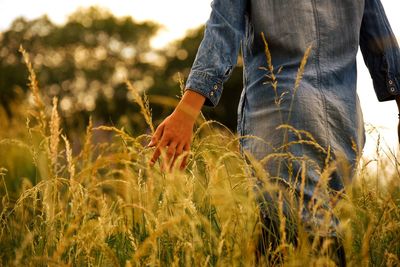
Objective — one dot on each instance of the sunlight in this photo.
(177, 16)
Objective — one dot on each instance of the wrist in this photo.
(187, 110)
(190, 104)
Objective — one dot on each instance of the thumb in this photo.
(156, 136)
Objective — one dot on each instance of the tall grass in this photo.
(107, 207)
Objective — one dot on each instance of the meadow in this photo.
(105, 206)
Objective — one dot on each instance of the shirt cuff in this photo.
(208, 86)
(386, 77)
(391, 88)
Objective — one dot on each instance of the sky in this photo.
(178, 16)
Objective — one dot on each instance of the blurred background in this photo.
(84, 51)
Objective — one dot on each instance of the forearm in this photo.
(218, 51)
(191, 104)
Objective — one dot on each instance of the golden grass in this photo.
(107, 207)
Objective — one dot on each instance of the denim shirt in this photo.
(292, 25)
(325, 104)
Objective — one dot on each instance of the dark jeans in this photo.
(270, 238)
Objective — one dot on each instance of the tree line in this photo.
(86, 62)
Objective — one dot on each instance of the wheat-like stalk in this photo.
(267, 52)
(143, 103)
(301, 69)
(39, 106)
(68, 153)
(302, 187)
(33, 83)
(128, 213)
(54, 135)
(282, 224)
(299, 76)
(181, 84)
(87, 147)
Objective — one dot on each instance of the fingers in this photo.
(178, 152)
(174, 150)
(157, 135)
(162, 144)
(186, 149)
(171, 135)
(171, 154)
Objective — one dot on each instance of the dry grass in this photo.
(108, 207)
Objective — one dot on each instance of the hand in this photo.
(175, 133)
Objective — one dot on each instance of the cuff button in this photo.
(392, 89)
(215, 87)
(390, 82)
(212, 93)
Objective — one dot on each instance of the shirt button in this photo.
(212, 93)
(215, 87)
(390, 82)
(392, 89)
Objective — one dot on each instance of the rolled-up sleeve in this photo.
(219, 49)
(380, 51)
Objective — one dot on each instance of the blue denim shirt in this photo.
(325, 104)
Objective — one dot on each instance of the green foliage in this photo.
(85, 63)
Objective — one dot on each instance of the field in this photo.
(105, 206)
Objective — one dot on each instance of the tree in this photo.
(85, 63)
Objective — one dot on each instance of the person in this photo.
(323, 107)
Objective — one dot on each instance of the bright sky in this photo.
(176, 15)
(180, 15)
